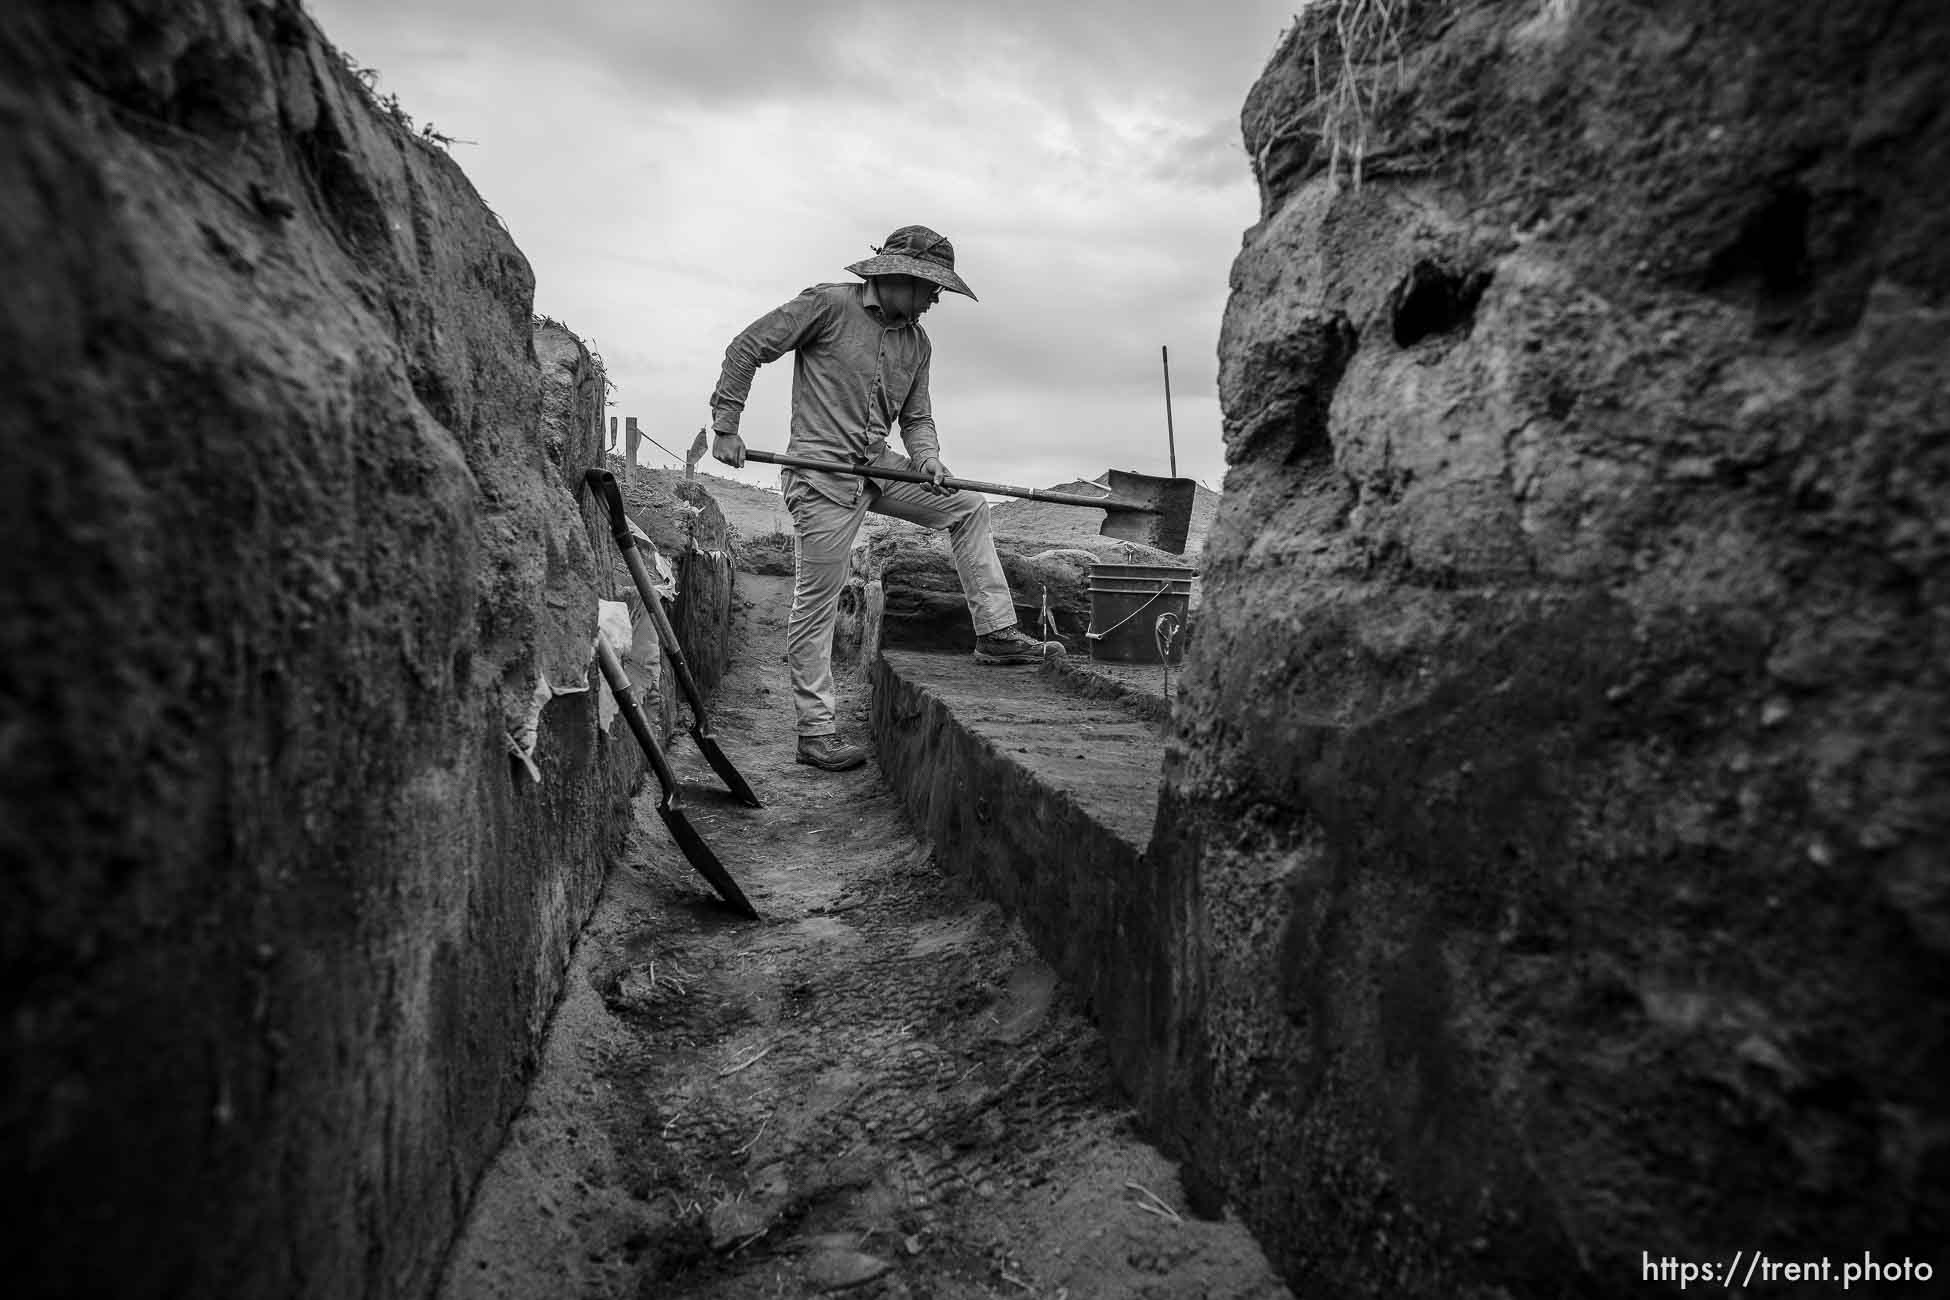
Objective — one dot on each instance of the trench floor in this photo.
(877, 1089)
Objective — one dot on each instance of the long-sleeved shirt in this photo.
(853, 376)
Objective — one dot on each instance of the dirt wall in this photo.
(289, 551)
(1557, 788)
(1041, 799)
(687, 526)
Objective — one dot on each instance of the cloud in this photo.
(731, 52)
(672, 171)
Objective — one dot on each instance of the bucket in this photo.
(1126, 601)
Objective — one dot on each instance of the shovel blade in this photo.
(1154, 511)
(704, 860)
(720, 762)
(695, 849)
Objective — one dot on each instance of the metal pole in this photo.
(1171, 439)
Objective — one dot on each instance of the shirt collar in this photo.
(871, 301)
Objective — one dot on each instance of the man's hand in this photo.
(729, 448)
(935, 470)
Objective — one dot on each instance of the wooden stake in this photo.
(873, 611)
(630, 439)
(1171, 439)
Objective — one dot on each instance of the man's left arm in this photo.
(917, 428)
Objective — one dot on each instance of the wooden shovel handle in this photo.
(626, 701)
(967, 484)
(605, 485)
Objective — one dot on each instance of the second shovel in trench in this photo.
(670, 807)
(604, 483)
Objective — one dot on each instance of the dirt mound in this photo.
(760, 527)
(752, 512)
(925, 608)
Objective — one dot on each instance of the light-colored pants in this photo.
(826, 530)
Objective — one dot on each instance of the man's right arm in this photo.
(768, 338)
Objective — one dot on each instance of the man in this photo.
(861, 363)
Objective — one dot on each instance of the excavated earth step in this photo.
(1041, 787)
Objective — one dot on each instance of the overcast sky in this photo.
(673, 171)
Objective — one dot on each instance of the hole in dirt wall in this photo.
(1434, 300)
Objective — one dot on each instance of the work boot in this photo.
(830, 753)
(1011, 645)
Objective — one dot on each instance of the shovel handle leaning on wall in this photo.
(695, 849)
(604, 484)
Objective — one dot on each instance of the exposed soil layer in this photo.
(1045, 797)
(1145, 689)
(290, 559)
(879, 1086)
(1564, 744)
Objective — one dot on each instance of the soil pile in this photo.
(924, 604)
(760, 525)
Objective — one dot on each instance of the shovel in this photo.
(604, 482)
(681, 830)
(1154, 511)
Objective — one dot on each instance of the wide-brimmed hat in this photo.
(919, 252)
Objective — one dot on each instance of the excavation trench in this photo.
(1549, 866)
(882, 1086)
